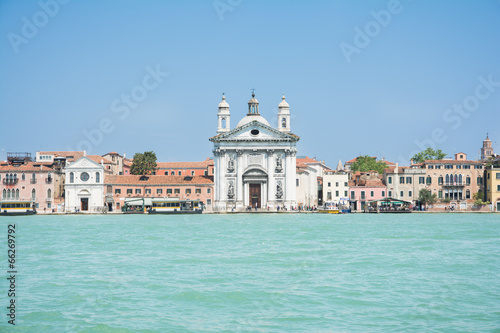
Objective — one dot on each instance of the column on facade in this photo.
(240, 187)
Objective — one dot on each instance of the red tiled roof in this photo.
(185, 165)
(112, 153)
(98, 159)
(157, 180)
(30, 166)
(307, 160)
(450, 162)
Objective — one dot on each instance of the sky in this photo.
(379, 78)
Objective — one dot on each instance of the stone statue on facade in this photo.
(279, 164)
(230, 165)
(279, 190)
(230, 191)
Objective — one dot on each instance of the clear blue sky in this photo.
(69, 74)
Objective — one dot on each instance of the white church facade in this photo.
(84, 186)
(255, 164)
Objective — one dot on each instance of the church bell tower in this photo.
(223, 116)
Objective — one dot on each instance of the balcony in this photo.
(33, 181)
(48, 180)
(451, 184)
(10, 181)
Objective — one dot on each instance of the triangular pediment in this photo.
(255, 131)
(84, 163)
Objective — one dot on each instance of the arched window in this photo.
(23, 176)
(180, 173)
(15, 176)
(467, 180)
(467, 194)
(4, 194)
(49, 193)
(460, 179)
(33, 194)
(283, 122)
(456, 179)
(440, 180)
(447, 179)
(223, 123)
(97, 177)
(71, 177)
(17, 193)
(8, 194)
(172, 173)
(33, 176)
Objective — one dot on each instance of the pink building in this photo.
(204, 168)
(364, 187)
(29, 181)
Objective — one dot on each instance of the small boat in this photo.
(329, 208)
(175, 206)
(17, 207)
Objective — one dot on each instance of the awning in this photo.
(138, 201)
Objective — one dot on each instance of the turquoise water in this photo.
(256, 273)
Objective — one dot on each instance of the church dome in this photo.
(283, 103)
(249, 119)
(253, 100)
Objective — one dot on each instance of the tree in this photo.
(478, 199)
(428, 154)
(426, 197)
(367, 163)
(143, 164)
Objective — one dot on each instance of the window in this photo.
(197, 191)
(372, 194)
(147, 191)
(389, 179)
(4, 194)
(23, 176)
(467, 180)
(345, 194)
(402, 194)
(137, 191)
(459, 166)
(33, 194)
(129, 191)
(497, 175)
(283, 122)
(467, 194)
(172, 173)
(166, 173)
(49, 205)
(97, 177)
(431, 166)
(49, 193)
(440, 194)
(209, 190)
(209, 202)
(353, 195)
(188, 191)
(328, 195)
(346, 184)
(206, 173)
(84, 176)
(169, 191)
(429, 180)
(118, 191)
(438, 166)
(297, 182)
(408, 180)
(383, 194)
(480, 180)
(179, 173)
(159, 191)
(337, 194)
(17, 193)
(448, 166)
(466, 166)
(390, 194)
(498, 188)
(362, 195)
(177, 191)
(421, 180)
(329, 184)
(336, 184)
(409, 194)
(440, 180)
(192, 173)
(71, 177)
(401, 180)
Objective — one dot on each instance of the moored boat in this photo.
(175, 206)
(16, 207)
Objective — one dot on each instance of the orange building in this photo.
(204, 168)
(120, 189)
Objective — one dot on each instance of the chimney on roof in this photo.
(411, 161)
(84, 153)
(396, 170)
(102, 161)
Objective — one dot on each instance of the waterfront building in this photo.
(84, 186)
(454, 181)
(116, 163)
(138, 190)
(23, 179)
(364, 187)
(307, 185)
(203, 168)
(320, 168)
(492, 175)
(404, 183)
(255, 164)
(336, 186)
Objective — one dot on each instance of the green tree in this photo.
(428, 154)
(143, 164)
(478, 199)
(426, 197)
(367, 163)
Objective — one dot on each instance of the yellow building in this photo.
(493, 185)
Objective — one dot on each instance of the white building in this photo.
(84, 187)
(307, 185)
(336, 186)
(254, 162)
